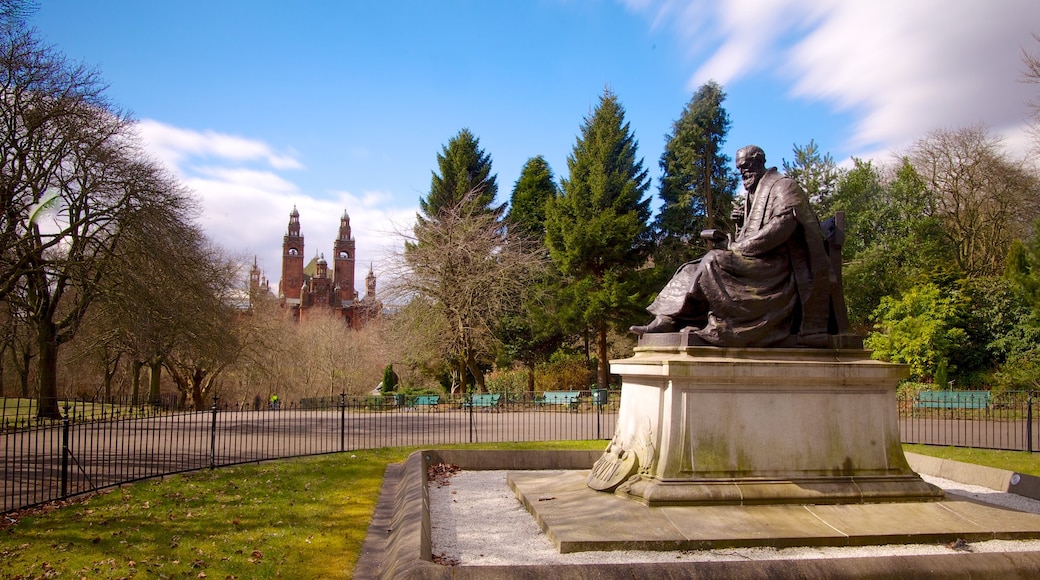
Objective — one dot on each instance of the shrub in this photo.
(563, 373)
(509, 382)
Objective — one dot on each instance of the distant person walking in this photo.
(274, 402)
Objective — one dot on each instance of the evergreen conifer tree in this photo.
(697, 179)
(597, 230)
(465, 174)
(532, 193)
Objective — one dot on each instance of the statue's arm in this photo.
(785, 199)
(774, 233)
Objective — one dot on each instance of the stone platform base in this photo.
(578, 519)
(709, 425)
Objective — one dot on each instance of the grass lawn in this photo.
(294, 518)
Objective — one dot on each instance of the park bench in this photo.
(567, 398)
(952, 400)
(430, 402)
(486, 401)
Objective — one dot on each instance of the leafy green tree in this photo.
(892, 238)
(465, 176)
(1023, 268)
(1019, 341)
(597, 229)
(922, 329)
(697, 180)
(817, 173)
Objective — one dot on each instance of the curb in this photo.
(996, 479)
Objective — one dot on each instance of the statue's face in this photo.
(751, 170)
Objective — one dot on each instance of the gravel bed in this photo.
(477, 520)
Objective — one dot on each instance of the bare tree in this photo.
(469, 270)
(71, 175)
(1032, 75)
(984, 199)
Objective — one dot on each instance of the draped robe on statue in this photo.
(771, 286)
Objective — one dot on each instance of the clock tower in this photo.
(292, 261)
(343, 263)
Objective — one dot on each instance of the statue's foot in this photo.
(659, 324)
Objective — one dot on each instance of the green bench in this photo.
(486, 401)
(566, 398)
(430, 402)
(952, 400)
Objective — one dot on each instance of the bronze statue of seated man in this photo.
(768, 286)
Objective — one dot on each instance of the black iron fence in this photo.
(99, 445)
(1007, 421)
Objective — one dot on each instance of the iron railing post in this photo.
(1029, 421)
(65, 453)
(599, 407)
(470, 398)
(342, 421)
(213, 435)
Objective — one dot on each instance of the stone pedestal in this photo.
(708, 425)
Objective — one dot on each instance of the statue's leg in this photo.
(677, 305)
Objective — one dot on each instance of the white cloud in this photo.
(245, 209)
(173, 145)
(902, 68)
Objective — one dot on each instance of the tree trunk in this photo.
(23, 359)
(110, 366)
(602, 368)
(198, 391)
(463, 375)
(47, 370)
(135, 382)
(3, 351)
(154, 374)
(478, 375)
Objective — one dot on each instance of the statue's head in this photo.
(751, 162)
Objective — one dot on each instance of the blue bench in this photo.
(952, 400)
(567, 398)
(428, 401)
(485, 401)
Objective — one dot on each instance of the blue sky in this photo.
(261, 105)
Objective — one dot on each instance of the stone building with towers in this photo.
(317, 286)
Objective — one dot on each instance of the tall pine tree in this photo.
(597, 230)
(697, 179)
(532, 193)
(531, 332)
(465, 174)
